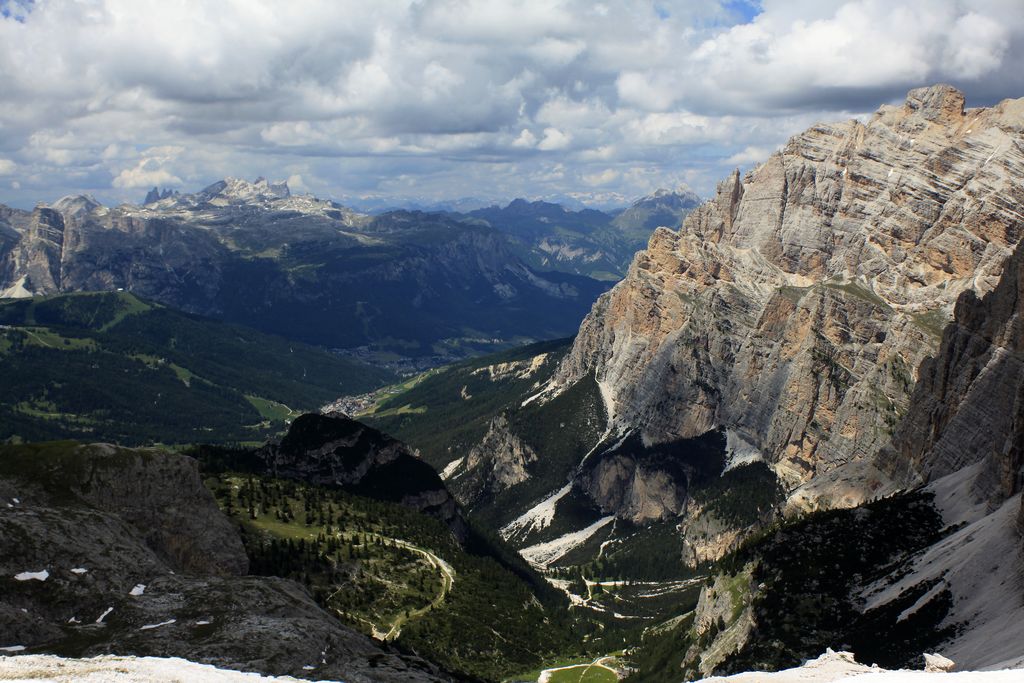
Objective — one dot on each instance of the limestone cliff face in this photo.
(621, 485)
(34, 261)
(968, 405)
(796, 305)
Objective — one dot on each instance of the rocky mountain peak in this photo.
(796, 306)
(156, 195)
(341, 452)
(940, 103)
(681, 194)
(237, 190)
(76, 205)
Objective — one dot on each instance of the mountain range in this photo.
(836, 326)
(794, 423)
(406, 282)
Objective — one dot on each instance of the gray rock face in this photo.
(633, 491)
(968, 405)
(159, 495)
(102, 521)
(498, 462)
(796, 305)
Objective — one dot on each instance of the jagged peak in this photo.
(155, 195)
(940, 103)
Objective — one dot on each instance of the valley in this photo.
(265, 432)
(77, 363)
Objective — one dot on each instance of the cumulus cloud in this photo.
(525, 97)
(151, 170)
(749, 156)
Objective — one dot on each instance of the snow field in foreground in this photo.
(112, 669)
(840, 666)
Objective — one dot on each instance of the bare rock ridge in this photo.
(110, 549)
(795, 307)
(161, 496)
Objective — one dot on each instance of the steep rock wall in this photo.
(796, 305)
(968, 405)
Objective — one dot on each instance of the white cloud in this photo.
(526, 139)
(7, 167)
(524, 97)
(554, 139)
(152, 170)
(144, 177)
(604, 177)
(296, 184)
(750, 156)
(646, 91)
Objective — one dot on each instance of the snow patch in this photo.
(12, 648)
(538, 517)
(739, 451)
(162, 623)
(32, 576)
(922, 601)
(104, 615)
(120, 669)
(533, 398)
(543, 554)
(139, 589)
(979, 564)
(954, 498)
(841, 666)
(450, 468)
(17, 290)
(79, 570)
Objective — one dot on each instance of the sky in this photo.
(402, 100)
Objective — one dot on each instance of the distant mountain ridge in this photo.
(586, 241)
(305, 268)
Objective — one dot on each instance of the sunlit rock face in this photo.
(796, 306)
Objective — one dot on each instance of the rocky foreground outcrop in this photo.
(795, 307)
(109, 549)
